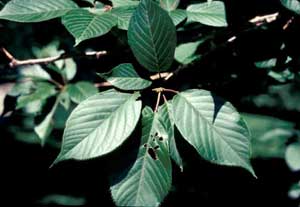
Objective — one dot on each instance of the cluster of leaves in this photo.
(102, 122)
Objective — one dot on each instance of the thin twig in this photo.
(157, 101)
(15, 62)
(159, 76)
(103, 84)
(165, 98)
(171, 90)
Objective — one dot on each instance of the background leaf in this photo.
(123, 15)
(149, 179)
(169, 5)
(185, 53)
(36, 10)
(83, 24)
(211, 14)
(43, 91)
(99, 125)
(292, 156)
(293, 5)
(126, 78)
(152, 36)
(80, 91)
(213, 127)
(120, 3)
(178, 16)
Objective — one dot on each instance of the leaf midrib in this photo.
(107, 118)
(48, 11)
(144, 159)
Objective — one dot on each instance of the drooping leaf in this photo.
(83, 24)
(185, 53)
(167, 120)
(152, 36)
(80, 91)
(292, 156)
(35, 10)
(211, 14)
(121, 3)
(169, 5)
(44, 129)
(178, 16)
(123, 15)
(293, 5)
(43, 91)
(149, 179)
(99, 125)
(126, 78)
(213, 127)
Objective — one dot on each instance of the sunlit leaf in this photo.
(213, 127)
(35, 10)
(99, 125)
(149, 179)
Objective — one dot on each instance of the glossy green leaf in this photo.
(44, 129)
(83, 24)
(213, 127)
(121, 3)
(80, 91)
(169, 5)
(43, 91)
(185, 53)
(152, 36)
(167, 120)
(99, 125)
(178, 16)
(35, 10)
(292, 156)
(211, 14)
(293, 5)
(126, 78)
(149, 179)
(123, 15)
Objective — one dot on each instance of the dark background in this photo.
(25, 175)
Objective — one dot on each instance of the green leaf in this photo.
(269, 135)
(83, 24)
(34, 72)
(123, 15)
(185, 53)
(80, 91)
(152, 36)
(126, 78)
(211, 14)
(213, 127)
(169, 5)
(42, 92)
(293, 5)
(99, 125)
(292, 156)
(167, 120)
(36, 10)
(149, 179)
(121, 3)
(266, 63)
(282, 76)
(178, 16)
(44, 129)
(70, 69)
